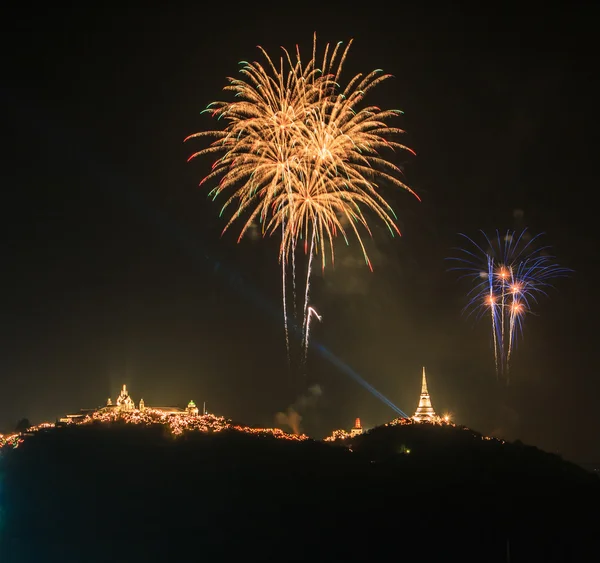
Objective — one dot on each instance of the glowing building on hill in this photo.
(424, 412)
(124, 404)
(192, 409)
(357, 429)
(124, 401)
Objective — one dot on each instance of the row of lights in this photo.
(176, 423)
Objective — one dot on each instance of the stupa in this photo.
(424, 412)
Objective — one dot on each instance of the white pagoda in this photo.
(424, 412)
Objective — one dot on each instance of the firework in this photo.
(301, 157)
(509, 274)
(311, 312)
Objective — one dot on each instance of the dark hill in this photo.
(451, 457)
(112, 493)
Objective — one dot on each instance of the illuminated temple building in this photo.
(124, 403)
(357, 429)
(424, 412)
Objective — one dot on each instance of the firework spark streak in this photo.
(284, 297)
(509, 274)
(311, 312)
(301, 155)
(307, 310)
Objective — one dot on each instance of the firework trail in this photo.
(284, 299)
(307, 309)
(509, 273)
(302, 157)
(311, 312)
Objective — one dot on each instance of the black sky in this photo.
(113, 269)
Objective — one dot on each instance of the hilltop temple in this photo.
(124, 403)
(357, 429)
(424, 412)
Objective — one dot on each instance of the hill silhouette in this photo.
(122, 492)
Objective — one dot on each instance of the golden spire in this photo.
(425, 409)
(424, 384)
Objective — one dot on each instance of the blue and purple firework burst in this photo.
(509, 273)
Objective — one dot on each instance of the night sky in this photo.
(114, 270)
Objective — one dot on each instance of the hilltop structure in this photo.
(124, 401)
(357, 429)
(124, 404)
(424, 412)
